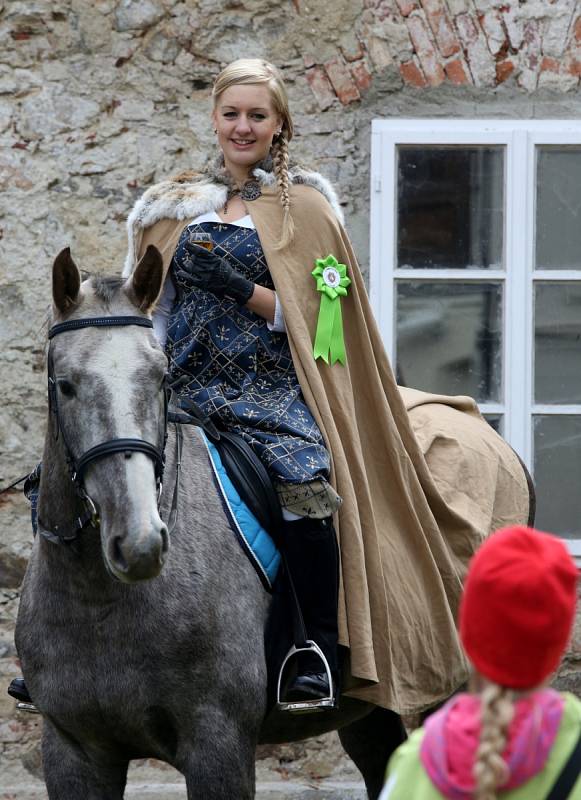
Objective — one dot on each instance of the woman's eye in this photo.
(66, 388)
(259, 117)
(230, 114)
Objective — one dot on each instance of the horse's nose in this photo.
(141, 556)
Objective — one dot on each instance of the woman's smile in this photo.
(244, 143)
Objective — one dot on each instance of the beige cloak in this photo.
(417, 498)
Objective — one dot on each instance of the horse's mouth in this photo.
(131, 576)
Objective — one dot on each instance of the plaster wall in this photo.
(100, 100)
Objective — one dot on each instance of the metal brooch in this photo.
(250, 191)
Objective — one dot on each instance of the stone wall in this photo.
(99, 100)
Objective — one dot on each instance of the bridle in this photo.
(77, 465)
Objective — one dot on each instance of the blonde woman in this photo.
(223, 328)
(511, 737)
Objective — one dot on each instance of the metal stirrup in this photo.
(30, 708)
(304, 706)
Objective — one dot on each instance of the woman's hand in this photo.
(203, 269)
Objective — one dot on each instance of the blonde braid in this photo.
(490, 769)
(280, 160)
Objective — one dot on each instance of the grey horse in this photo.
(132, 646)
(122, 666)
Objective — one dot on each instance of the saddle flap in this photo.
(251, 480)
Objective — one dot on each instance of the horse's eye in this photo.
(66, 388)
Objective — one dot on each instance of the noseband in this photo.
(78, 465)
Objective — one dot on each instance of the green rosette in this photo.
(332, 282)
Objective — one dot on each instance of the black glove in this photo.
(205, 270)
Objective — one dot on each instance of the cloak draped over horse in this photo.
(420, 490)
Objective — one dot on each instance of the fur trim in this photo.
(322, 185)
(175, 199)
(188, 195)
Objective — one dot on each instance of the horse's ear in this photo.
(66, 281)
(144, 284)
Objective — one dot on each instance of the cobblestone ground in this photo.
(156, 781)
(297, 771)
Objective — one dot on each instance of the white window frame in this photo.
(520, 138)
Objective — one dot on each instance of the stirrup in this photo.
(30, 708)
(306, 706)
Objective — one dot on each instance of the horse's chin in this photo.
(131, 577)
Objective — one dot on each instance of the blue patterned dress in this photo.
(225, 358)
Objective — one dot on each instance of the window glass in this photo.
(558, 211)
(449, 337)
(558, 342)
(495, 421)
(557, 471)
(450, 207)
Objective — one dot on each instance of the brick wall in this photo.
(430, 42)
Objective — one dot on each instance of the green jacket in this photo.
(407, 780)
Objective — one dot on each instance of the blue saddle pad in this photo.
(253, 538)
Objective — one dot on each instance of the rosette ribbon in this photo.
(332, 282)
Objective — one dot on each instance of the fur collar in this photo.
(190, 194)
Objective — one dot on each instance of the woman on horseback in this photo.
(272, 334)
(223, 327)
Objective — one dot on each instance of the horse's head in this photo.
(107, 384)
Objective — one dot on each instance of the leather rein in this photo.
(78, 465)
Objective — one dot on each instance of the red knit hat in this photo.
(518, 606)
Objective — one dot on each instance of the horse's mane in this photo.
(106, 286)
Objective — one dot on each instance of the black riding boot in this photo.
(18, 690)
(311, 551)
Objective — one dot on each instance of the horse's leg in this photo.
(220, 763)
(369, 742)
(70, 775)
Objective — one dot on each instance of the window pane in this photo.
(557, 470)
(558, 342)
(450, 203)
(558, 232)
(495, 421)
(449, 337)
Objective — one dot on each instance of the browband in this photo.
(98, 322)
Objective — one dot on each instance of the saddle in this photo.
(242, 465)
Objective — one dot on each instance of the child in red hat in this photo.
(512, 736)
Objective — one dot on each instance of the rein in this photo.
(78, 465)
